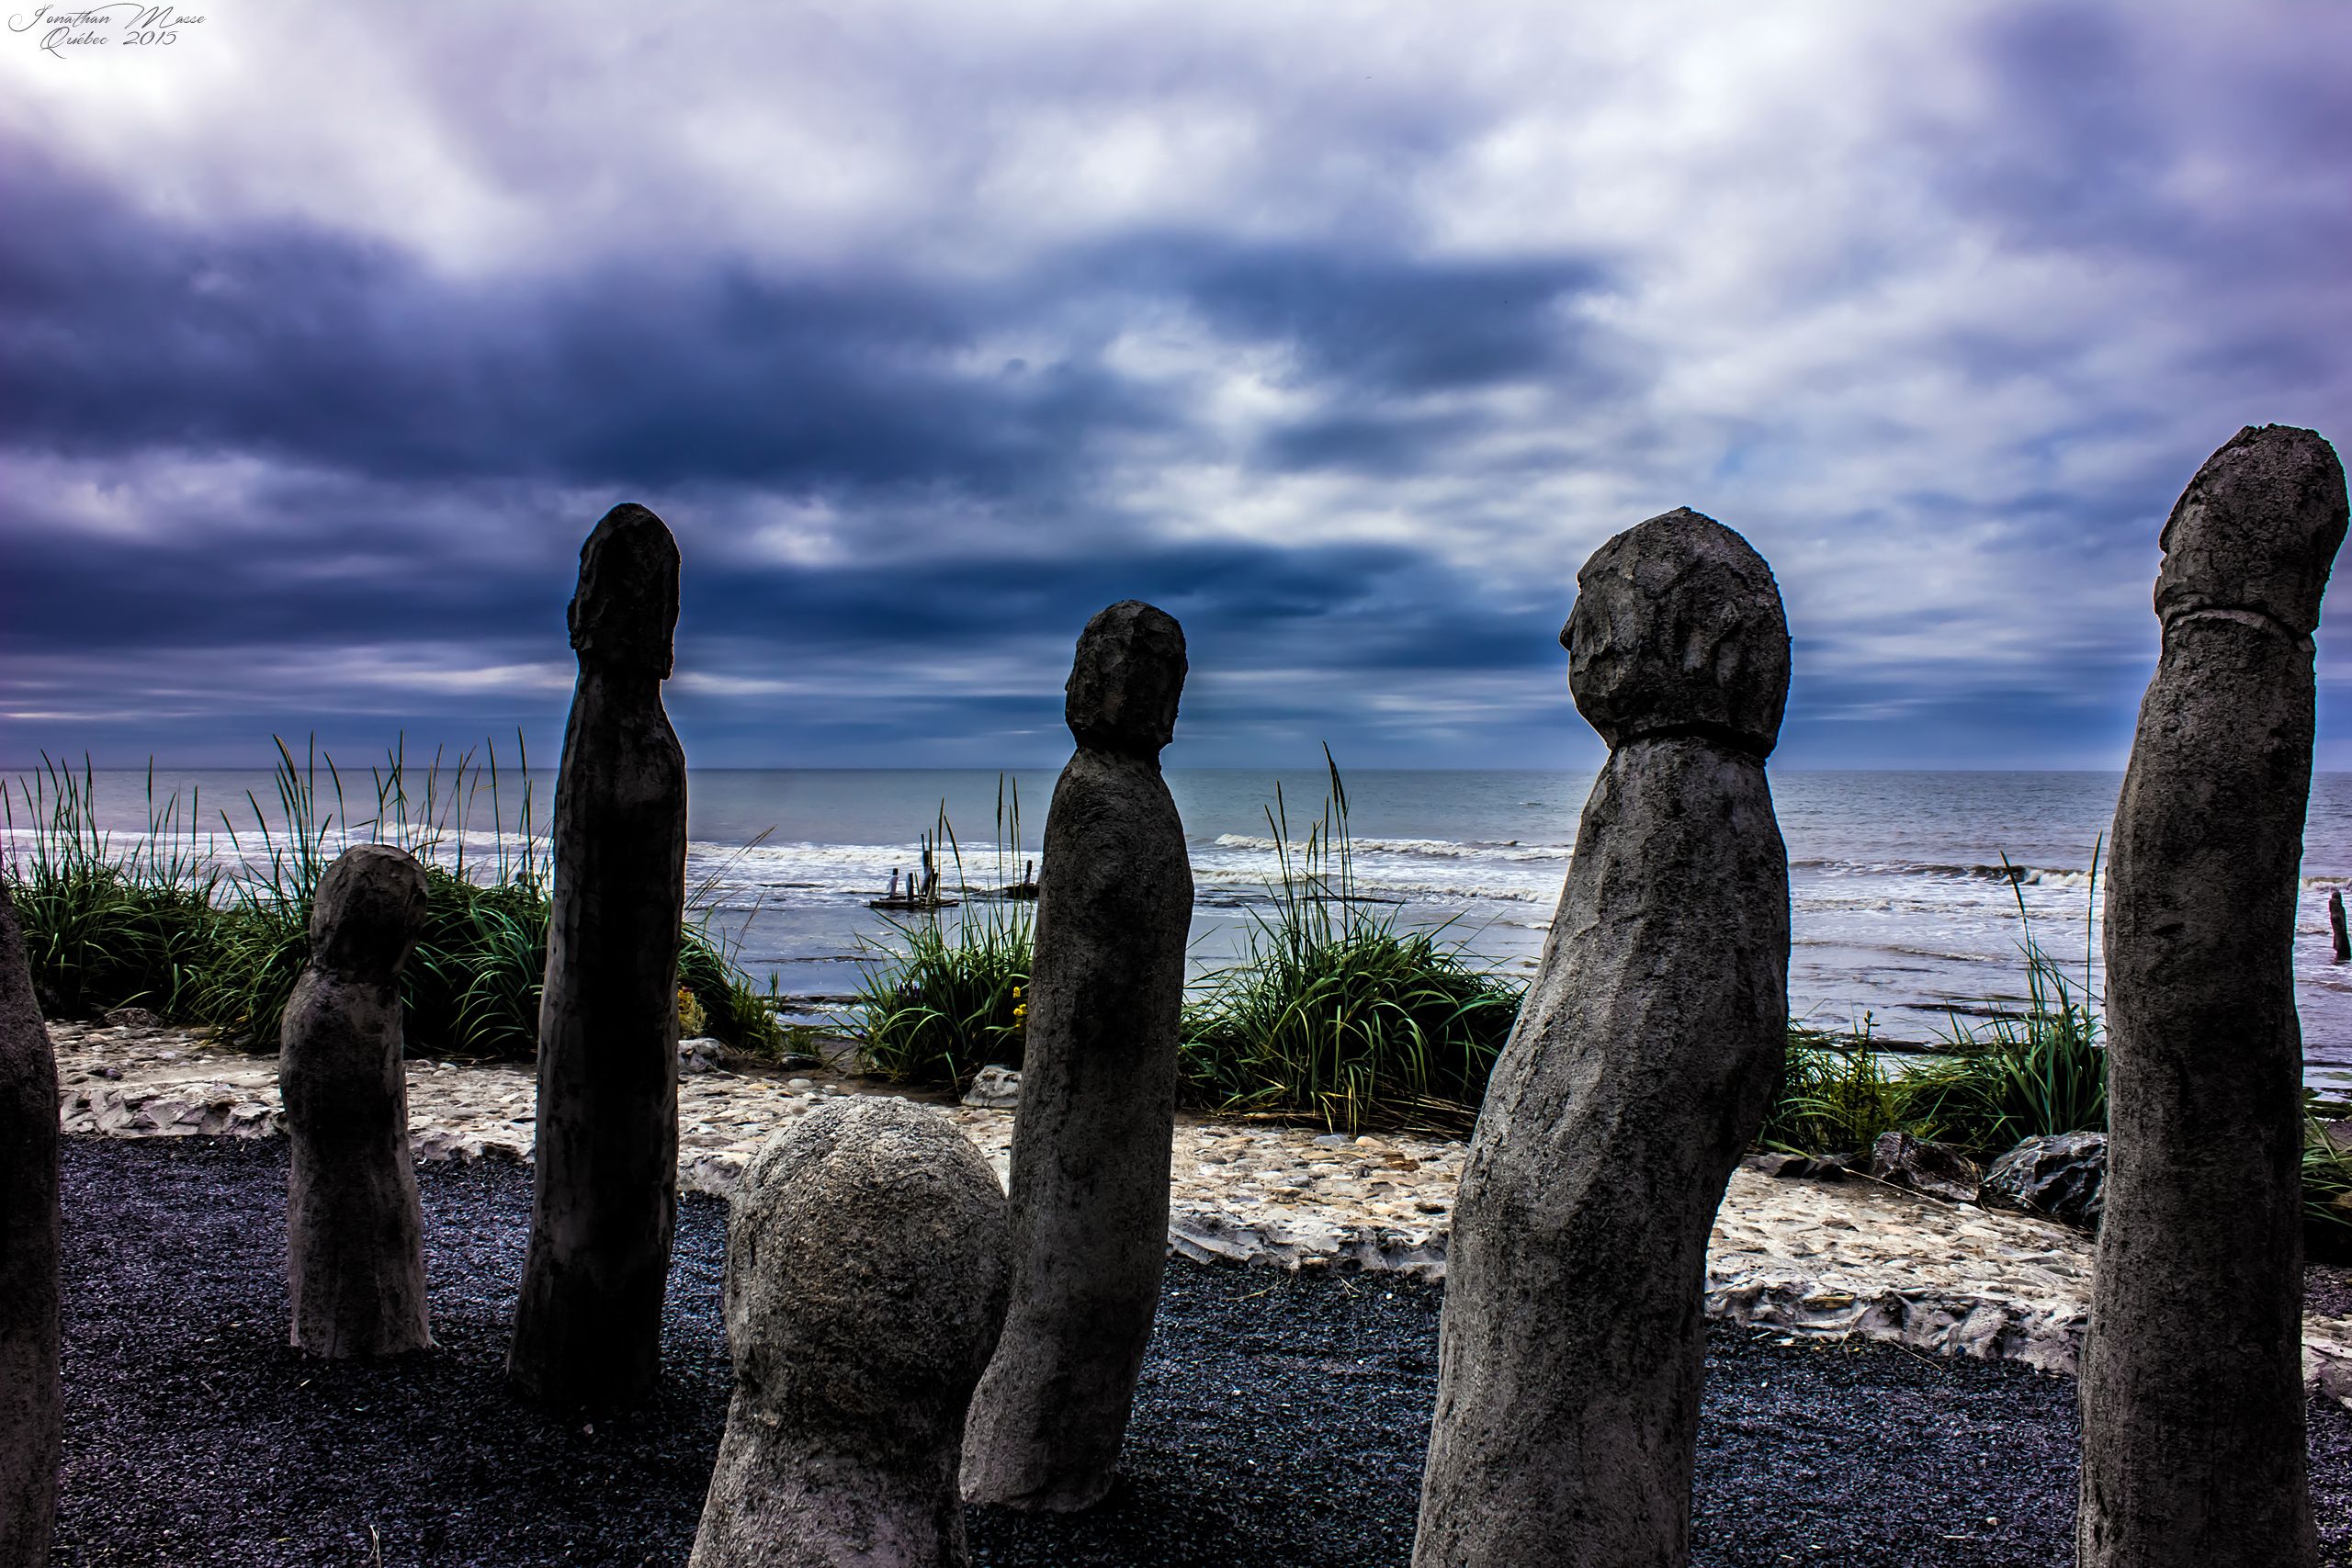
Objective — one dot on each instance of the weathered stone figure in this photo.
(1569, 1364)
(588, 1330)
(355, 1232)
(865, 1283)
(2193, 1442)
(1098, 1084)
(30, 1431)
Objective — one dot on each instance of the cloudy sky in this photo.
(1342, 332)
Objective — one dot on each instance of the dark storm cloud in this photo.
(131, 332)
(929, 337)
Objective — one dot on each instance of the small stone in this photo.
(1918, 1165)
(994, 1088)
(2063, 1176)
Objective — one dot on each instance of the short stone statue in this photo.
(355, 1232)
(2193, 1439)
(1098, 1085)
(865, 1283)
(588, 1328)
(1570, 1350)
(30, 1395)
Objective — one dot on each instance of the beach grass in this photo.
(211, 928)
(942, 998)
(1335, 1015)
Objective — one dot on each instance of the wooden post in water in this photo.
(2336, 925)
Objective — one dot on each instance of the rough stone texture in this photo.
(1569, 1367)
(2193, 1445)
(2063, 1176)
(866, 1272)
(1666, 638)
(1097, 1100)
(29, 1429)
(355, 1236)
(1938, 1170)
(588, 1330)
(1810, 1261)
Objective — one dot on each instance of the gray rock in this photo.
(2061, 1178)
(1939, 1171)
(355, 1232)
(2193, 1438)
(1097, 1095)
(1572, 1342)
(1797, 1168)
(994, 1088)
(865, 1285)
(702, 1055)
(588, 1327)
(31, 1431)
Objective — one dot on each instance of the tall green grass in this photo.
(1335, 1014)
(108, 927)
(943, 996)
(2022, 1075)
(214, 936)
(1835, 1094)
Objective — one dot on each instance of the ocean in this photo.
(1911, 892)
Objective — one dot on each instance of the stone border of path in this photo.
(1809, 1259)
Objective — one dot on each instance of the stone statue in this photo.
(30, 1394)
(354, 1232)
(588, 1328)
(2193, 1441)
(865, 1283)
(1570, 1350)
(1098, 1085)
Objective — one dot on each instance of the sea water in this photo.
(1913, 894)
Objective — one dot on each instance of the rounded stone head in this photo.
(625, 612)
(1125, 680)
(367, 913)
(2256, 529)
(867, 1277)
(1678, 629)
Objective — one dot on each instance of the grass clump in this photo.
(106, 927)
(1835, 1095)
(2327, 1180)
(1335, 1015)
(943, 997)
(2025, 1076)
(218, 937)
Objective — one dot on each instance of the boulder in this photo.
(867, 1278)
(2061, 1178)
(1917, 1164)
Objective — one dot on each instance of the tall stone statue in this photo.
(588, 1328)
(354, 1232)
(30, 1431)
(1098, 1089)
(2193, 1442)
(1570, 1350)
(865, 1283)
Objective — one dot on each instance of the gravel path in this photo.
(1281, 1420)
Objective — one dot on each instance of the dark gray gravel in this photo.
(1281, 1419)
